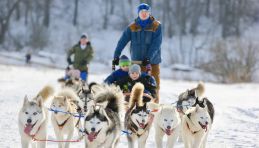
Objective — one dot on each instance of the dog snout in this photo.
(143, 121)
(93, 129)
(168, 127)
(206, 123)
(28, 120)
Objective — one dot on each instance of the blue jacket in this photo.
(115, 76)
(145, 42)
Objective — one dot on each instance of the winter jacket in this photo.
(126, 84)
(82, 57)
(115, 76)
(145, 42)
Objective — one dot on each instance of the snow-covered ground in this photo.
(237, 109)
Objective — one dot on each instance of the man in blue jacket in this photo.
(145, 34)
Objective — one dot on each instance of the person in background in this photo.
(145, 37)
(28, 57)
(83, 54)
(124, 64)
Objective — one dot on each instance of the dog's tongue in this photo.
(204, 127)
(142, 125)
(28, 128)
(91, 136)
(168, 131)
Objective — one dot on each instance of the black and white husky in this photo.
(199, 118)
(102, 122)
(33, 119)
(137, 119)
(193, 97)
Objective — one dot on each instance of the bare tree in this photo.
(46, 18)
(112, 7)
(106, 13)
(75, 13)
(5, 18)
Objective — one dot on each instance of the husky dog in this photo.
(137, 119)
(188, 98)
(196, 124)
(166, 122)
(86, 95)
(64, 124)
(191, 98)
(102, 123)
(33, 119)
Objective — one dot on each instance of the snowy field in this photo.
(237, 109)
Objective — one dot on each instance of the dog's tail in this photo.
(109, 97)
(46, 92)
(69, 93)
(200, 89)
(136, 95)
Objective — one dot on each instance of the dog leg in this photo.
(25, 143)
(69, 136)
(204, 141)
(34, 144)
(185, 140)
(159, 137)
(130, 141)
(197, 141)
(172, 138)
(142, 140)
(59, 137)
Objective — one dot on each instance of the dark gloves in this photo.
(115, 61)
(69, 61)
(145, 62)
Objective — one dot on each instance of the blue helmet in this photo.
(143, 6)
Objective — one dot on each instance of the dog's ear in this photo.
(40, 101)
(197, 107)
(25, 100)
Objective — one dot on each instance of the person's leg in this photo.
(83, 75)
(155, 72)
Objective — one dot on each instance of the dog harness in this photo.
(63, 124)
(189, 117)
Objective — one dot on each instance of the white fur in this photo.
(104, 95)
(199, 138)
(64, 102)
(38, 115)
(166, 119)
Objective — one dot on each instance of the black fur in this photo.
(206, 102)
(139, 109)
(97, 115)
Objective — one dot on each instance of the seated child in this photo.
(126, 84)
(124, 64)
